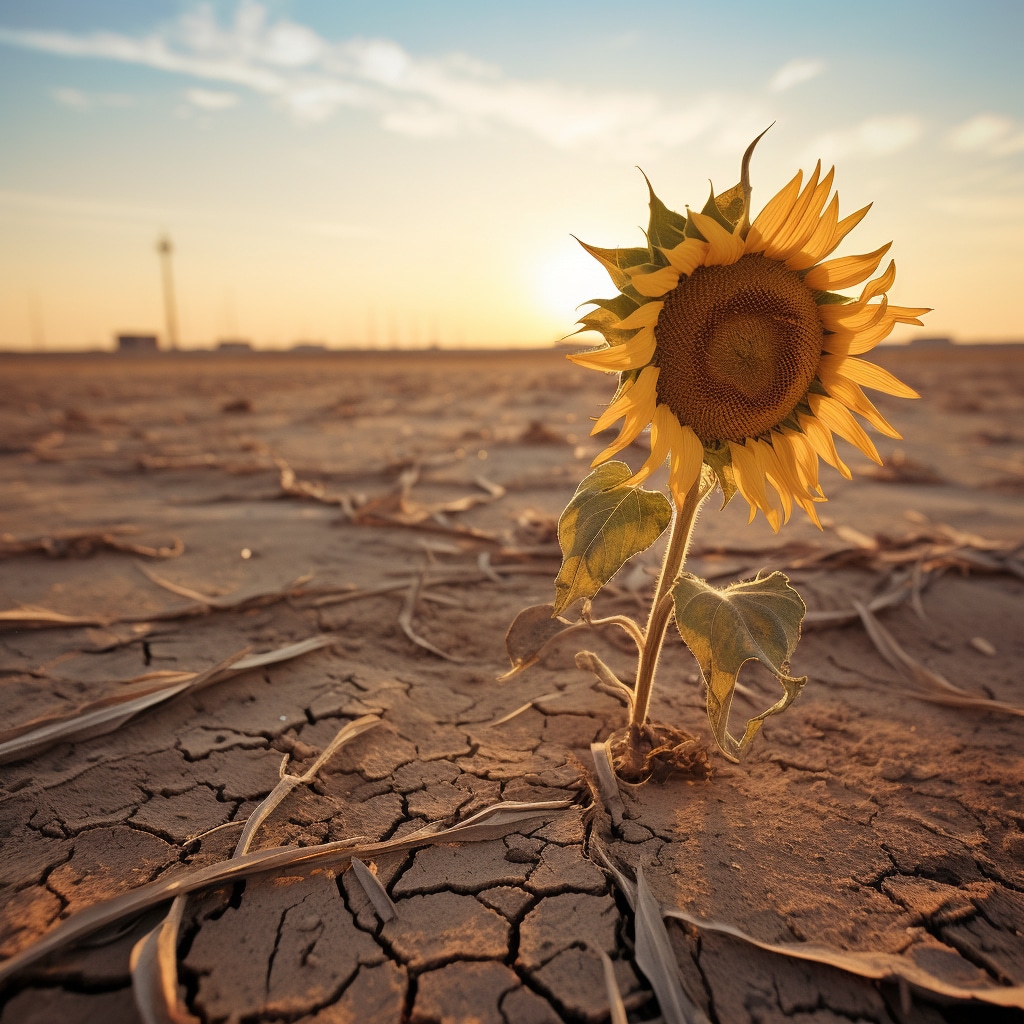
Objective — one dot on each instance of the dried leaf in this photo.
(935, 688)
(154, 967)
(375, 891)
(405, 621)
(616, 1007)
(656, 958)
(876, 966)
(287, 783)
(103, 716)
(222, 602)
(607, 783)
(523, 707)
(491, 823)
(529, 635)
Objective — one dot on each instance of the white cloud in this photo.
(79, 100)
(312, 78)
(875, 137)
(208, 99)
(796, 71)
(987, 133)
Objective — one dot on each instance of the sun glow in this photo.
(562, 277)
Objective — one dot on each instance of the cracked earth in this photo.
(344, 495)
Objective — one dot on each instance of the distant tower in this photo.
(166, 249)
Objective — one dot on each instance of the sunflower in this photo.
(734, 346)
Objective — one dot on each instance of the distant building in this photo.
(137, 344)
(931, 342)
(234, 345)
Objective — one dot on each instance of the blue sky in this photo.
(405, 173)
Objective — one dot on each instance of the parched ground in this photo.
(166, 515)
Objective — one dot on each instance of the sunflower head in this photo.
(734, 344)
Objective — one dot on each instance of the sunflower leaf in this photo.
(756, 619)
(604, 525)
(665, 230)
(615, 261)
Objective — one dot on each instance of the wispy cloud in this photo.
(875, 137)
(312, 78)
(795, 72)
(79, 100)
(988, 133)
(208, 99)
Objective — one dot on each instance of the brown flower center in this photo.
(738, 347)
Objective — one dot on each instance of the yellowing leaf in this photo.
(724, 629)
(605, 524)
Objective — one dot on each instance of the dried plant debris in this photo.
(83, 543)
(99, 717)
(154, 959)
(927, 685)
(876, 966)
(492, 822)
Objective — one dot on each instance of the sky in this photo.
(404, 174)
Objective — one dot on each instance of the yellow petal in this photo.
(749, 471)
(854, 342)
(843, 228)
(821, 441)
(814, 248)
(793, 469)
(880, 285)
(664, 430)
(853, 315)
(845, 271)
(687, 256)
(773, 217)
(868, 375)
(806, 459)
(776, 475)
(801, 219)
(724, 247)
(630, 355)
(643, 316)
(685, 462)
(632, 427)
(656, 284)
(838, 419)
(639, 394)
(853, 398)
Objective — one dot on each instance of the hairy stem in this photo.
(661, 609)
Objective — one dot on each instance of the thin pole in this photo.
(166, 249)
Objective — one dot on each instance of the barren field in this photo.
(370, 524)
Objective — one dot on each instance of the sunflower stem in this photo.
(680, 532)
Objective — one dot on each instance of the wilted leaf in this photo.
(603, 525)
(724, 629)
(531, 631)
